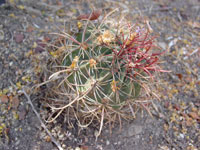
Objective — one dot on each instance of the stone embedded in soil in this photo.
(133, 130)
(19, 37)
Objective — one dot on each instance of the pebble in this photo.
(11, 63)
(181, 135)
(19, 37)
(64, 146)
(61, 136)
(77, 148)
(42, 135)
(134, 130)
(107, 131)
(17, 142)
(107, 142)
(29, 128)
(1, 35)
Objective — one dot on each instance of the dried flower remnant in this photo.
(92, 63)
(79, 24)
(106, 38)
(131, 39)
(114, 86)
(74, 62)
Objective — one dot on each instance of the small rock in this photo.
(11, 63)
(181, 136)
(119, 142)
(64, 146)
(77, 148)
(19, 37)
(1, 35)
(134, 130)
(61, 136)
(17, 142)
(107, 142)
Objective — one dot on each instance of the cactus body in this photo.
(106, 68)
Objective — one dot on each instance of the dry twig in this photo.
(39, 118)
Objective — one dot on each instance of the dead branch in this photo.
(39, 118)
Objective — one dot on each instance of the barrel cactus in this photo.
(101, 71)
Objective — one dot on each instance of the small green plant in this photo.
(102, 72)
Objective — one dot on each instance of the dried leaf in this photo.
(15, 102)
(12, 15)
(92, 16)
(176, 107)
(188, 121)
(15, 115)
(180, 76)
(21, 7)
(60, 12)
(194, 115)
(39, 46)
(194, 24)
(166, 127)
(30, 29)
(4, 99)
(48, 139)
(19, 85)
(83, 147)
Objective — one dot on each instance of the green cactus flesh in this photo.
(98, 79)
